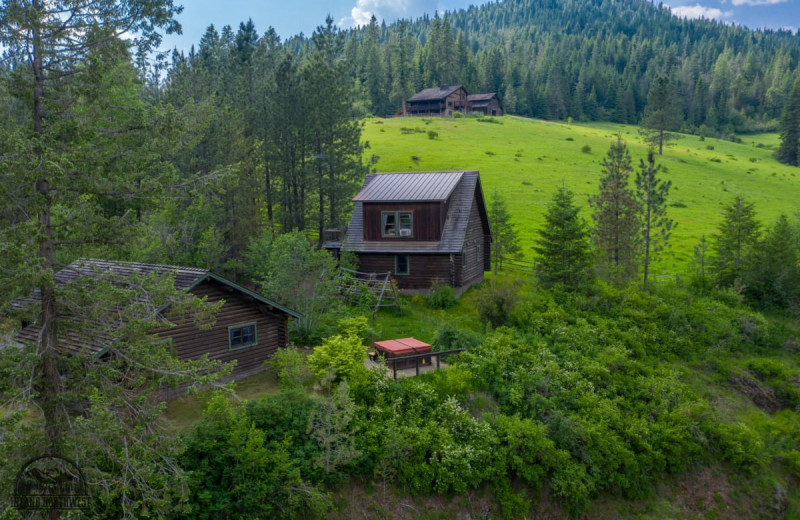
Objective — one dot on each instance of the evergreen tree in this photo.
(789, 151)
(735, 244)
(775, 280)
(651, 196)
(563, 245)
(662, 114)
(78, 171)
(615, 213)
(505, 242)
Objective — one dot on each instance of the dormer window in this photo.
(397, 224)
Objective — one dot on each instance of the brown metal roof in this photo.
(409, 186)
(432, 94)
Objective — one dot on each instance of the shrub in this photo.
(450, 336)
(496, 304)
(709, 147)
(290, 365)
(342, 355)
(457, 115)
(586, 149)
(432, 134)
(442, 296)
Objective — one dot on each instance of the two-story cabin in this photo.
(438, 101)
(422, 226)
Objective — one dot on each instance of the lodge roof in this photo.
(466, 189)
(435, 93)
(481, 97)
(75, 341)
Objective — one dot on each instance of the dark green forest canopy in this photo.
(587, 60)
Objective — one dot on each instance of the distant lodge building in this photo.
(446, 100)
(422, 227)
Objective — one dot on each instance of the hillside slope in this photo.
(526, 159)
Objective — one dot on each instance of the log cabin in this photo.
(422, 227)
(437, 101)
(247, 329)
(486, 104)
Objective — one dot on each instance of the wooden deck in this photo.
(405, 372)
(425, 362)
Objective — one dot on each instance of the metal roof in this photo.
(431, 94)
(76, 340)
(466, 193)
(410, 186)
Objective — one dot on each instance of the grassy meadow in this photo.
(527, 159)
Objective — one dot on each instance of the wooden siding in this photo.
(427, 220)
(190, 342)
(457, 102)
(423, 269)
(472, 272)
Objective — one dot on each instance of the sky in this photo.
(291, 17)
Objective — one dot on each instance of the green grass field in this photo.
(527, 159)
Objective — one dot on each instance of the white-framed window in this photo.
(402, 266)
(242, 335)
(397, 224)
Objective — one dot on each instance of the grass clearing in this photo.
(527, 159)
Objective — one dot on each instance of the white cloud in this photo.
(701, 11)
(388, 10)
(757, 2)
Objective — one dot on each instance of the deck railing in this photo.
(418, 359)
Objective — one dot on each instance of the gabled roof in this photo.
(410, 186)
(481, 97)
(435, 93)
(186, 279)
(454, 231)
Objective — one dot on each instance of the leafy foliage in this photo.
(292, 272)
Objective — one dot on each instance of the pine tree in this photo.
(505, 241)
(615, 214)
(789, 151)
(735, 244)
(563, 246)
(651, 196)
(775, 279)
(662, 114)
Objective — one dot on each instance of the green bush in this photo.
(449, 336)
(496, 304)
(290, 365)
(441, 296)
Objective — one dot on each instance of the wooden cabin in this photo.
(486, 104)
(248, 328)
(422, 227)
(439, 101)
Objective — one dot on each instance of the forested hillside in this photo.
(587, 60)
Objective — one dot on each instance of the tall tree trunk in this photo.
(51, 381)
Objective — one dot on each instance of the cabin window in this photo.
(397, 224)
(464, 256)
(478, 254)
(401, 266)
(242, 336)
(449, 103)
